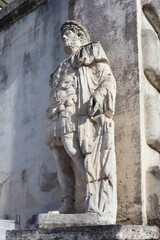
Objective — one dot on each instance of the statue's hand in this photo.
(51, 112)
(95, 104)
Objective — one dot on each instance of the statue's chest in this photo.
(64, 83)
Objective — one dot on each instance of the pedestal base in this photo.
(54, 219)
(110, 232)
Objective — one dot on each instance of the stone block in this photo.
(52, 220)
(110, 232)
(7, 225)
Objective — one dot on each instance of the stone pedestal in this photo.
(110, 232)
(53, 219)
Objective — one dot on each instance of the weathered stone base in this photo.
(110, 232)
(54, 219)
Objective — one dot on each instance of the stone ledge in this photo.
(16, 10)
(109, 232)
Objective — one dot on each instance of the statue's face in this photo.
(70, 41)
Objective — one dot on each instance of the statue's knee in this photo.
(70, 149)
(72, 152)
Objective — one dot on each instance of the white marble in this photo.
(80, 129)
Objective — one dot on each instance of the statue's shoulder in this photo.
(96, 51)
(55, 76)
(93, 45)
(87, 54)
(59, 68)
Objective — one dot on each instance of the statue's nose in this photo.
(64, 37)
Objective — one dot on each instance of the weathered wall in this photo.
(30, 50)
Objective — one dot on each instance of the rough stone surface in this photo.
(110, 232)
(7, 225)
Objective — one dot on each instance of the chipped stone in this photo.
(110, 232)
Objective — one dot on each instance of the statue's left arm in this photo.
(102, 100)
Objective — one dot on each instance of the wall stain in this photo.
(48, 180)
(24, 176)
(3, 78)
(27, 62)
(32, 222)
(71, 9)
(153, 207)
(155, 171)
(7, 217)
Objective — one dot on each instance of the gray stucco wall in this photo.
(30, 50)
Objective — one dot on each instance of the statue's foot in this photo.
(68, 206)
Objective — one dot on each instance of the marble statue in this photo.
(80, 128)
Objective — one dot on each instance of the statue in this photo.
(80, 128)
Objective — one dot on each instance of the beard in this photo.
(70, 46)
(68, 49)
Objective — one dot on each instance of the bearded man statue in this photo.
(80, 127)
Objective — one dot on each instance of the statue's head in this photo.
(73, 36)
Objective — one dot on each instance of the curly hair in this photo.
(78, 29)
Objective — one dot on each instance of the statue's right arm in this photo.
(51, 112)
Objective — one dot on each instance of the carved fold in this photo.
(153, 78)
(152, 17)
(152, 122)
(151, 57)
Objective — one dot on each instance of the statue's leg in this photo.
(72, 147)
(66, 178)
